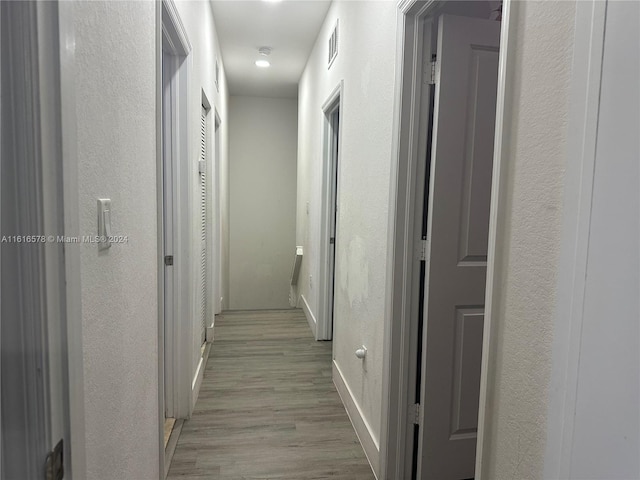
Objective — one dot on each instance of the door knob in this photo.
(361, 352)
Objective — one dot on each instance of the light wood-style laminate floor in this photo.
(268, 408)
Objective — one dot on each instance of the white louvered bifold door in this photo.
(203, 223)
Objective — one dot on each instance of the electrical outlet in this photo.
(310, 282)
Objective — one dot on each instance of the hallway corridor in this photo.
(267, 407)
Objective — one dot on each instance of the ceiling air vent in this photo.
(333, 45)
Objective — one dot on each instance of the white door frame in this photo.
(217, 223)
(578, 188)
(324, 327)
(68, 122)
(46, 179)
(210, 182)
(160, 233)
(404, 246)
(26, 147)
(175, 346)
(213, 216)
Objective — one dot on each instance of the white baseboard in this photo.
(363, 430)
(205, 357)
(293, 296)
(209, 330)
(197, 378)
(196, 383)
(310, 316)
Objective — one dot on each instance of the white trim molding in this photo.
(160, 251)
(42, 322)
(179, 337)
(334, 102)
(216, 254)
(198, 377)
(174, 30)
(496, 221)
(211, 190)
(309, 314)
(578, 188)
(68, 120)
(401, 242)
(370, 444)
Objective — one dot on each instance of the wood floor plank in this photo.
(268, 408)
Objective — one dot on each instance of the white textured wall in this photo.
(366, 60)
(198, 21)
(262, 186)
(116, 131)
(529, 240)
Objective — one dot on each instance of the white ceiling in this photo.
(289, 27)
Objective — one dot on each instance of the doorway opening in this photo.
(174, 238)
(436, 337)
(210, 254)
(329, 226)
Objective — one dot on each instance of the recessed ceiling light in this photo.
(262, 63)
(272, 1)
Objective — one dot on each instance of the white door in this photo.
(457, 235)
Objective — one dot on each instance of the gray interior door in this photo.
(457, 236)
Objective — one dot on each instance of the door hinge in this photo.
(168, 260)
(431, 75)
(54, 464)
(423, 250)
(414, 414)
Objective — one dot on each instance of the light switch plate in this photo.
(104, 223)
